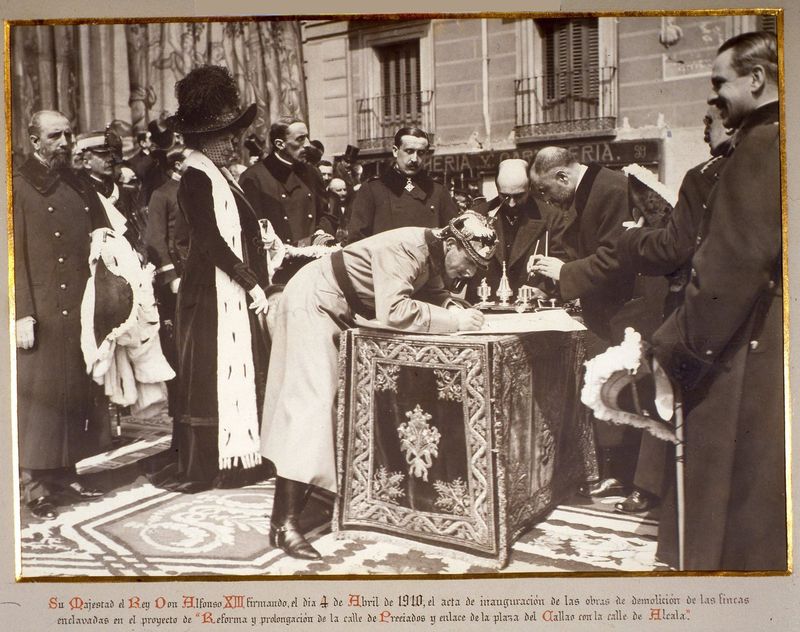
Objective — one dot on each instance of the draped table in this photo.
(461, 441)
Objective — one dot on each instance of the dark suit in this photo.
(600, 207)
(290, 197)
(340, 212)
(604, 288)
(724, 345)
(167, 233)
(384, 203)
(167, 239)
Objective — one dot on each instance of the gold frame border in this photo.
(778, 12)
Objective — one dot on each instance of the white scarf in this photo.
(115, 218)
(238, 436)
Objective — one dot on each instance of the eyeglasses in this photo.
(517, 197)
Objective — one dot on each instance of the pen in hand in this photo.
(533, 256)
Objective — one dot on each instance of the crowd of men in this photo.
(715, 325)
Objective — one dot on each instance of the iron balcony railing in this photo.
(564, 103)
(378, 118)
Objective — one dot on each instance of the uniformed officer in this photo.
(286, 190)
(58, 421)
(99, 152)
(404, 195)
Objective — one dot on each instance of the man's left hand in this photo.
(548, 266)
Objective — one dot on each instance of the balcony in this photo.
(378, 118)
(566, 104)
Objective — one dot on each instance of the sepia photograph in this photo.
(399, 296)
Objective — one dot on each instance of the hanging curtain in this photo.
(96, 73)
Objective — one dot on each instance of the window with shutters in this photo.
(572, 91)
(768, 23)
(396, 85)
(400, 84)
(571, 66)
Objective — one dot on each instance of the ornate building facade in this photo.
(615, 90)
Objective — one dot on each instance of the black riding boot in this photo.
(284, 531)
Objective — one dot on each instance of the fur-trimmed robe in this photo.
(197, 317)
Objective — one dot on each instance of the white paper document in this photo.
(547, 320)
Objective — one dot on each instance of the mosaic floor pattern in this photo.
(141, 530)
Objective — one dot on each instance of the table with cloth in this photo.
(461, 441)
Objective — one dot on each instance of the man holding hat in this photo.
(99, 153)
(401, 278)
(404, 195)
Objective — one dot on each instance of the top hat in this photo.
(102, 142)
(208, 101)
(350, 154)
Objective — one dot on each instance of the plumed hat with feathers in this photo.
(208, 101)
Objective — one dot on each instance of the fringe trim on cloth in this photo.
(238, 437)
(648, 178)
(601, 369)
(425, 547)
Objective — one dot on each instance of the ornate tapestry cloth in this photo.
(464, 442)
(96, 73)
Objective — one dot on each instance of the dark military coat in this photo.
(383, 203)
(668, 250)
(167, 233)
(290, 197)
(53, 218)
(724, 345)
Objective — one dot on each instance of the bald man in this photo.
(520, 222)
(597, 199)
(339, 207)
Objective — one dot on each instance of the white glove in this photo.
(259, 304)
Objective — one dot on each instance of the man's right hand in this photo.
(25, 335)
(469, 319)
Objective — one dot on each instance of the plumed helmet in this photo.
(475, 233)
(208, 101)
